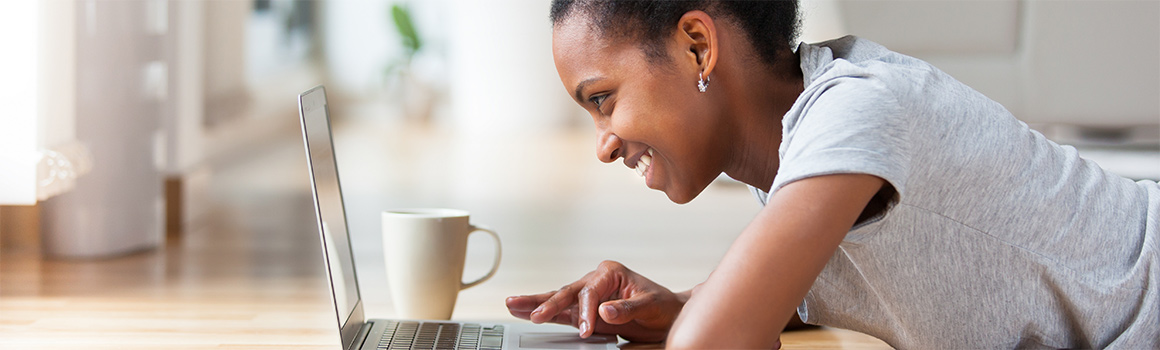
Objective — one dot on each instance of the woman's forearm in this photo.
(756, 288)
(795, 322)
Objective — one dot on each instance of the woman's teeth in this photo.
(644, 162)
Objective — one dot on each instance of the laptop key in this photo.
(491, 341)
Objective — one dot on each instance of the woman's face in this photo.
(643, 108)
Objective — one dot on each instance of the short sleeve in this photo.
(850, 124)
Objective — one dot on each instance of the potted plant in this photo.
(416, 93)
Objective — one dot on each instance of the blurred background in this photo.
(135, 125)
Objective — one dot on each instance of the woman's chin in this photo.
(677, 197)
(683, 194)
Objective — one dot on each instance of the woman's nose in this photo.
(607, 147)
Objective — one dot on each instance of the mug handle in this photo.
(494, 266)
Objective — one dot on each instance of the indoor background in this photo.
(136, 128)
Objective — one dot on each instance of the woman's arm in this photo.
(795, 322)
(755, 289)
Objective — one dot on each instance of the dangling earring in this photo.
(703, 83)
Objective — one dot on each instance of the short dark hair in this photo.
(770, 25)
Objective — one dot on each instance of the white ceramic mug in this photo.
(425, 251)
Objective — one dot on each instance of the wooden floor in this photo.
(247, 273)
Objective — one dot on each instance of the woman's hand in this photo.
(629, 305)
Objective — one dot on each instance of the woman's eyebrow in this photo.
(582, 84)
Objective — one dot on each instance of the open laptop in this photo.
(356, 331)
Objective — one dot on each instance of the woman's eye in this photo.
(597, 100)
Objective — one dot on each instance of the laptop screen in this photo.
(328, 203)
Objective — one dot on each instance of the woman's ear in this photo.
(698, 34)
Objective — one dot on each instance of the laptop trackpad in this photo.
(565, 341)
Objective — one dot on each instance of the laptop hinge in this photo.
(362, 336)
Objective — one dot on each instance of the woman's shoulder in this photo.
(851, 48)
(864, 68)
(852, 56)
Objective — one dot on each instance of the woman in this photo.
(898, 202)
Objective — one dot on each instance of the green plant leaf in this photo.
(406, 27)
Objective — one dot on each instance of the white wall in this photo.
(503, 75)
(39, 95)
(184, 122)
(358, 39)
(493, 58)
(224, 53)
(19, 25)
(1081, 63)
(1093, 62)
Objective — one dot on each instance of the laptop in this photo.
(357, 332)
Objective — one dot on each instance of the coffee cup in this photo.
(425, 252)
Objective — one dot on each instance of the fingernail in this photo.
(583, 327)
(538, 310)
(609, 311)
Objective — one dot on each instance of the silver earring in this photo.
(703, 83)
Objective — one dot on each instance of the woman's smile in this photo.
(643, 166)
(644, 105)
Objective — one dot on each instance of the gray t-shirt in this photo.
(1000, 238)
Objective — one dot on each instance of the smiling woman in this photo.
(652, 78)
(894, 194)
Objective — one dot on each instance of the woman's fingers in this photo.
(605, 284)
(568, 317)
(590, 297)
(640, 306)
(617, 312)
(635, 320)
(523, 305)
(559, 301)
(527, 303)
(592, 304)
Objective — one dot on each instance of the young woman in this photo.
(898, 202)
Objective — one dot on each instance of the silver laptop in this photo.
(360, 333)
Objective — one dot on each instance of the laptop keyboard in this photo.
(400, 335)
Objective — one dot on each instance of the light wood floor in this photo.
(247, 273)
